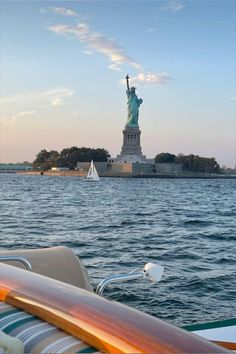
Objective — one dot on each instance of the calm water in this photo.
(117, 225)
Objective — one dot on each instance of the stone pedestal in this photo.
(131, 149)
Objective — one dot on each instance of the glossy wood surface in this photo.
(105, 325)
(227, 345)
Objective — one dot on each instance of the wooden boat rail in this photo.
(107, 326)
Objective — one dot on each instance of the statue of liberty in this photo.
(133, 105)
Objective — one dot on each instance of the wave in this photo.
(120, 225)
(197, 222)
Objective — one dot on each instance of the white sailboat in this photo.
(92, 173)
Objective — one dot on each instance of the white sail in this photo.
(92, 173)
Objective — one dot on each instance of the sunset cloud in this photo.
(53, 97)
(114, 67)
(25, 113)
(87, 52)
(151, 29)
(97, 42)
(56, 97)
(8, 120)
(174, 6)
(149, 78)
(60, 11)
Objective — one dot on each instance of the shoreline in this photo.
(128, 175)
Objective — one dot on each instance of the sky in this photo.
(63, 66)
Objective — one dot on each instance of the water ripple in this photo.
(118, 225)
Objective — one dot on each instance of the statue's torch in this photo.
(127, 81)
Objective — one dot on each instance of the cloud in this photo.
(97, 42)
(151, 29)
(53, 97)
(149, 78)
(87, 52)
(233, 98)
(114, 67)
(24, 113)
(60, 11)
(8, 120)
(56, 97)
(174, 6)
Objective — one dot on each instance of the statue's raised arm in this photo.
(127, 81)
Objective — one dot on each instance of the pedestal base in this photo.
(131, 149)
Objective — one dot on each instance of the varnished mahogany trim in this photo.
(227, 345)
(108, 326)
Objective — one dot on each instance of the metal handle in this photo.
(151, 271)
(114, 278)
(21, 259)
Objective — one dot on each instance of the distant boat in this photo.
(92, 173)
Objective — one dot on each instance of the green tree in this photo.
(196, 163)
(69, 157)
(46, 159)
(165, 157)
(100, 155)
